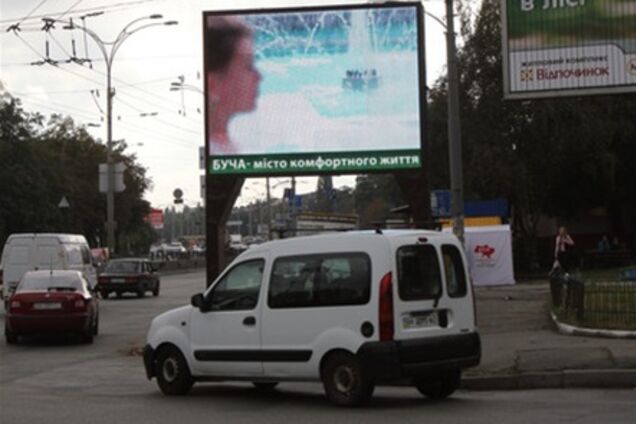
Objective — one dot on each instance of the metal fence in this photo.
(606, 305)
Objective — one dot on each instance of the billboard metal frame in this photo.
(403, 166)
(549, 93)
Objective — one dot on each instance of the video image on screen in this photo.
(313, 81)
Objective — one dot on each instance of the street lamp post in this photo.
(109, 56)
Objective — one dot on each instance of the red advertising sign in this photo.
(155, 218)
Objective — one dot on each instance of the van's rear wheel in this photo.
(439, 386)
(173, 374)
(344, 381)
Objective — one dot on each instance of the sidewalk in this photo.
(521, 347)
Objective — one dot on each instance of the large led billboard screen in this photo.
(314, 90)
(568, 47)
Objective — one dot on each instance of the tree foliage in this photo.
(555, 157)
(42, 162)
(375, 195)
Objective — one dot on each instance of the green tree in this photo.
(375, 195)
(554, 157)
(42, 162)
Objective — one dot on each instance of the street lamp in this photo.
(108, 50)
(182, 86)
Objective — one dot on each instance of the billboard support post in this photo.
(221, 194)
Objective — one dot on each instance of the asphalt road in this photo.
(52, 380)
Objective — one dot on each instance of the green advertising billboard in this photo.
(333, 89)
(568, 47)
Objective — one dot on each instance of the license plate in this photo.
(117, 280)
(47, 306)
(420, 321)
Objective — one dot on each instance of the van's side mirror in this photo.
(198, 301)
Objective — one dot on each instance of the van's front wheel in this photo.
(173, 374)
(439, 386)
(344, 381)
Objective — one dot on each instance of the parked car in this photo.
(352, 310)
(167, 251)
(52, 301)
(134, 275)
(33, 251)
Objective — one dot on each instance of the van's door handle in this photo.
(249, 321)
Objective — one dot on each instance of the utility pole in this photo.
(454, 128)
(269, 211)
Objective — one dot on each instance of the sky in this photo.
(163, 128)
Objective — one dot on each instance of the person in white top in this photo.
(232, 78)
(562, 246)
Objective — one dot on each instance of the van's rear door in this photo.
(16, 260)
(431, 296)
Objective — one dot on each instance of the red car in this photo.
(54, 301)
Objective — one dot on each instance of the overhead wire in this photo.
(59, 108)
(146, 132)
(198, 133)
(124, 84)
(157, 135)
(105, 8)
(69, 9)
(32, 12)
(28, 44)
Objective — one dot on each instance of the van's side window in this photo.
(19, 255)
(454, 271)
(419, 275)
(48, 256)
(320, 280)
(74, 254)
(240, 287)
(86, 255)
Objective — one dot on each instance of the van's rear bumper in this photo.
(407, 359)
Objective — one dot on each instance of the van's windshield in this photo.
(419, 275)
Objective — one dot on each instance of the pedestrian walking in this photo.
(563, 250)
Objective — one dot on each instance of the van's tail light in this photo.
(102, 280)
(386, 320)
(15, 305)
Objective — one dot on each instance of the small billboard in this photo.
(155, 219)
(568, 47)
(335, 89)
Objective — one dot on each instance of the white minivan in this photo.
(33, 251)
(352, 310)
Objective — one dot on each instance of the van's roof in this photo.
(63, 238)
(385, 234)
(56, 272)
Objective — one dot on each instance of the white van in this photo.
(351, 310)
(33, 251)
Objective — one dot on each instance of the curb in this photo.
(593, 332)
(601, 378)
